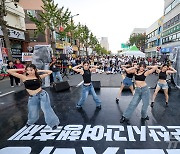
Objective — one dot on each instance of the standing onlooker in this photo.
(19, 65)
(55, 70)
(12, 78)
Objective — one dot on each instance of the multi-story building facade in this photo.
(171, 26)
(104, 43)
(34, 8)
(16, 29)
(153, 38)
(138, 31)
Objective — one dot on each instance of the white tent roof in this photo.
(133, 51)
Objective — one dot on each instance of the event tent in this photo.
(133, 51)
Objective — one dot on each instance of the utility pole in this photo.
(3, 25)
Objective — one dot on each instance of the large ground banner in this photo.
(110, 139)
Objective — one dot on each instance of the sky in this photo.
(114, 19)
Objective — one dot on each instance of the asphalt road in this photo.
(90, 131)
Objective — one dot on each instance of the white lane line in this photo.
(7, 93)
(80, 83)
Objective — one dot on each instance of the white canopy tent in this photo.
(133, 51)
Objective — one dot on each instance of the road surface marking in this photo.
(80, 83)
(7, 93)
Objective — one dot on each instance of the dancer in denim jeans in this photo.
(127, 81)
(87, 87)
(141, 92)
(38, 98)
(162, 84)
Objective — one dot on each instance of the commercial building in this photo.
(104, 43)
(16, 29)
(34, 8)
(171, 26)
(153, 38)
(138, 31)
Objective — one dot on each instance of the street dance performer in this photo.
(127, 81)
(162, 84)
(87, 86)
(38, 98)
(141, 91)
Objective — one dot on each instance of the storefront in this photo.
(16, 38)
(168, 50)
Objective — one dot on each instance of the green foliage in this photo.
(93, 41)
(51, 17)
(100, 50)
(138, 40)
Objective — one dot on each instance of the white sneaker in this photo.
(12, 86)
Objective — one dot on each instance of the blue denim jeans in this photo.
(37, 101)
(85, 91)
(57, 75)
(140, 93)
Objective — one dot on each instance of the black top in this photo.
(129, 75)
(141, 77)
(11, 67)
(32, 84)
(162, 75)
(54, 67)
(87, 76)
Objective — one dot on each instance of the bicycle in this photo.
(3, 72)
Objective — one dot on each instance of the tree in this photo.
(50, 19)
(4, 25)
(93, 41)
(101, 50)
(78, 35)
(86, 35)
(138, 40)
(71, 30)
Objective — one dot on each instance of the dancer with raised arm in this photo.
(38, 98)
(127, 81)
(87, 87)
(162, 84)
(141, 91)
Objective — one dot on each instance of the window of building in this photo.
(158, 42)
(174, 37)
(168, 24)
(36, 38)
(163, 40)
(168, 9)
(32, 12)
(172, 21)
(175, 3)
(165, 26)
(178, 35)
(159, 30)
(170, 38)
(177, 18)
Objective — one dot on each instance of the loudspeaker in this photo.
(96, 84)
(61, 86)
